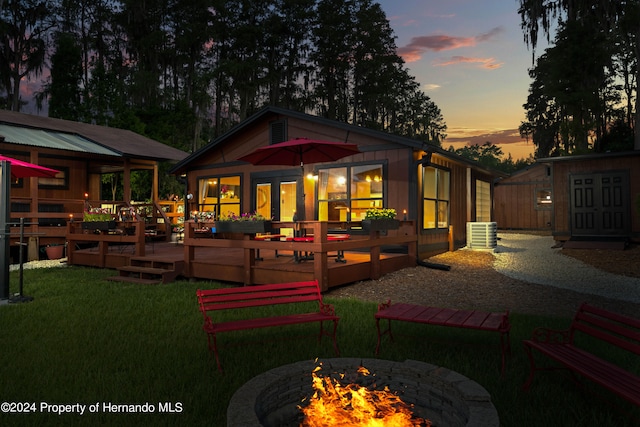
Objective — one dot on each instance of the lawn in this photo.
(104, 345)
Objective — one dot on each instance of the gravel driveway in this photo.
(533, 259)
(524, 275)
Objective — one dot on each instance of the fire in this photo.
(352, 405)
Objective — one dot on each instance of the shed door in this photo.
(600, 204)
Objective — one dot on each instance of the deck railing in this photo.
(320, 246)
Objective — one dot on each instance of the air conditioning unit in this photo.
(482, 235)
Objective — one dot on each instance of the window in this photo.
(219, 194)
(60, 181)
(345, 193)
(543, 198)
(435, 183)
(483, 201)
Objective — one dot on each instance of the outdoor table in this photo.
(267, 237)
(330, 237)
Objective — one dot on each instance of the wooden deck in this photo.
(251, 261)
(227, 264)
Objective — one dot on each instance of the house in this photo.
(82, 153)
(436, 190)
(592, 197)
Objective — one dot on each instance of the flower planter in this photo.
(98, 225)
(55, 252)
(380, 224)
(244, 227)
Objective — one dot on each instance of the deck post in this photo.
(375, 270)
(249, 262)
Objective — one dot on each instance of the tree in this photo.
(606, 16)
(491, 156)
(568, 106)
(66, 74)
(24, 28)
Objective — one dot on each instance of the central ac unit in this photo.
(482, 235)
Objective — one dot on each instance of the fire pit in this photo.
(442, 396)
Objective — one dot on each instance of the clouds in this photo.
(488, 63)
(413, 51)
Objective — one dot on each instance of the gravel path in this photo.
(534, 259)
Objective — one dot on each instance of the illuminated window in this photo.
(219, 194)
(345, 193)
(543, 198)
(483, 201)
(435, 183)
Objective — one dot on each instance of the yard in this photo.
(86, 341)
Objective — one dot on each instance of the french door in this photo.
(277, 197)
(600, 204)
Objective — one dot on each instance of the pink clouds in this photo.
(441, 42)
(488, 63)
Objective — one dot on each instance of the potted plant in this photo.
(98, 219)
(380, 220)
(54, 251)
(247, 223)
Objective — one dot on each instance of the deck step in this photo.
(152, 272)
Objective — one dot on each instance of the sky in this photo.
(470, 58)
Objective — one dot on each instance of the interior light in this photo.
(342, 180)
(368, 178)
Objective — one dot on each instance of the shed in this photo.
(591, 197)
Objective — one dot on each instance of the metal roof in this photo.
(52, 139)
(117, 142)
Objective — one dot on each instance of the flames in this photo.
(352, 405)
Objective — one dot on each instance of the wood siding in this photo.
(562, 170)
(516, 201)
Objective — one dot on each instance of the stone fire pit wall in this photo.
(443, 396)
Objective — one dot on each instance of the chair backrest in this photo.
(617, 329)
(258, 295)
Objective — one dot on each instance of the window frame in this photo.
(347, 196)
(218, 206)
(438, 199)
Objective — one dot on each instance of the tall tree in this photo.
(609, 16)
(24, 29)
(66, 75)
(574, 99)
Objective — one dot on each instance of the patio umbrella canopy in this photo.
(20, 169)
(300, 151)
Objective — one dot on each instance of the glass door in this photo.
(277, 198)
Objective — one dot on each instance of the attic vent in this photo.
(482, 235)
(277, 132)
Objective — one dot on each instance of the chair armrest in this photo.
(327, 309)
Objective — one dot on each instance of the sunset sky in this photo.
(470, 58)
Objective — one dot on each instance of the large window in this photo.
(345, 193)
(483, 201)
(436, 184)
(220, 195)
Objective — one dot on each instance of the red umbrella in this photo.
(300, 151)
(20, 169)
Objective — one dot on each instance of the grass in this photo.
(89, 341)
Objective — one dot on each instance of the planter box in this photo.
(98, 225)
(244, 227)
(380, 224)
